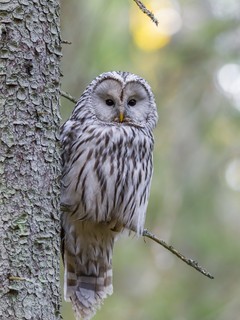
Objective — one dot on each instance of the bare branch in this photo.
(190, 262)
(146, 11)
(68, 96)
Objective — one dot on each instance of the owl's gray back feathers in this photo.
(107, 169)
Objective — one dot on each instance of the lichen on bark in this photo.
(30, 51)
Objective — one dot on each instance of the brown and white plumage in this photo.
(107, 167)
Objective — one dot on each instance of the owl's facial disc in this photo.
(115, 102)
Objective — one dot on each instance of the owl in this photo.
(107, 147)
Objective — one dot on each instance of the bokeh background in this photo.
(192, 63)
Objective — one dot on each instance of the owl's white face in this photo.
(126, 102)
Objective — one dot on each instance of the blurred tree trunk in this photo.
(30, 50)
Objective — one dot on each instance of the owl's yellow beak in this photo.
(121, 116)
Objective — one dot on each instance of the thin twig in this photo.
(66, 42)
(190, 262)
(146, 11)
(68, 96)
(14, 278)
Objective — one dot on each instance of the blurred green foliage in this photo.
(192, 204)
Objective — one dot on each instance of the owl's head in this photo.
(122, 98)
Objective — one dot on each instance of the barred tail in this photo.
(88, 272)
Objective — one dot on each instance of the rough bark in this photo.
(30, 50)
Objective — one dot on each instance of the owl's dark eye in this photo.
(132, 102)
(109, 102)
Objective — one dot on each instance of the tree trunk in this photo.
(30, 51)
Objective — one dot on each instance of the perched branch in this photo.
(190, 262)
(68, 96)
(146, 11)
